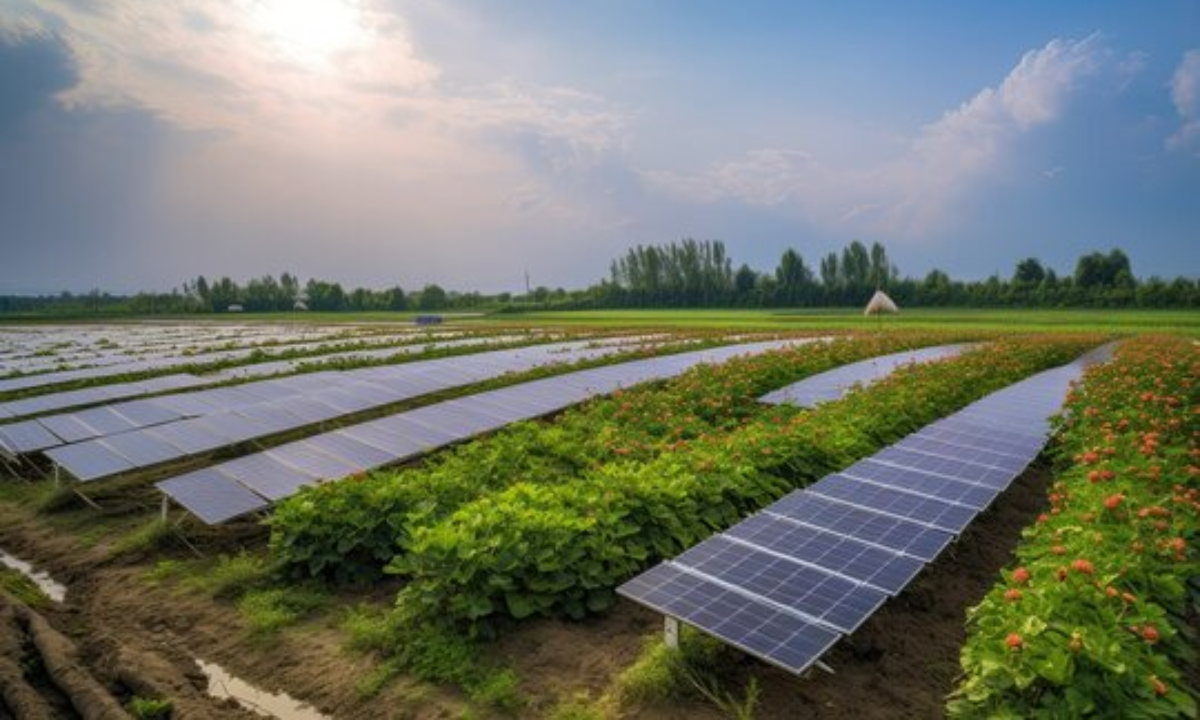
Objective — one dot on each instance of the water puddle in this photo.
(53, 589)
(224, 686)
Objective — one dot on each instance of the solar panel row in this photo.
(164, 362)
(834, 383)
(231, 489)
(78, 426)
(212, 419)
(825, 558)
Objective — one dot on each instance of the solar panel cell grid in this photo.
(887, 570)
(778, 637)
(947, 467)
(897, 534)
(973, 496)
(927, 510)
(821, 595)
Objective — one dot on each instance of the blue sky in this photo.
(461, 142)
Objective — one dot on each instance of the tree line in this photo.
(687, 273)
(699, 274)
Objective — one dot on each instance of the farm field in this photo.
(366, 519)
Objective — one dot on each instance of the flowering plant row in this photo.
(1090, 621)
(561, 548)
(350, 530)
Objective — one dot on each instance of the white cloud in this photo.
(1185, 93)
(914, 193)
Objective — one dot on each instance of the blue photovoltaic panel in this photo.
(910, 506)
(973, 496)
(211, 496)
(893, 533)
(363, 455)
(89, 461)
(266, 476)
(24, 437)
(189, 437)
(835, 383)
(984, 429)
(1028, 450)
(884, 569)
(941, 448)
(105, 421)
(311, 461)
(68, 427)
(822, 596)
(777, 636)
(144, 413)
(142, 449)
(956, 469)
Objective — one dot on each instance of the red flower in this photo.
(1160, 688)
(1150, 634)
(1020, 576)
(1012, 595)
(1014, 641)
(1083, 566)
(1112, 502)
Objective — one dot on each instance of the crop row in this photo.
(351, 530)
(1091, 620)
(546, 548)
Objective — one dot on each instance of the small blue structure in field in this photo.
(429, 319)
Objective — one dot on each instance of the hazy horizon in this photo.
(462, 143)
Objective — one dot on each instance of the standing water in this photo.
(53, 589)
(283, 706)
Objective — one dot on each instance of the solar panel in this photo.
(948, 467)
(973, 496)
(211, 496)
(930, 511)
(777, 636)
(363, 455)
(190, 436)
(887, 531)
(933, 446)
(311, 461)
(88, 461)
(26, 437)
(835, 383)
(821, 596)
(884, 569)
(69, 428)
(266, 476)
(141, 449)
(1027, 450)
(145, 413)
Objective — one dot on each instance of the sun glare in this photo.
(310, 30)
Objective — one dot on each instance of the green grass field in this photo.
(1112, 321)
